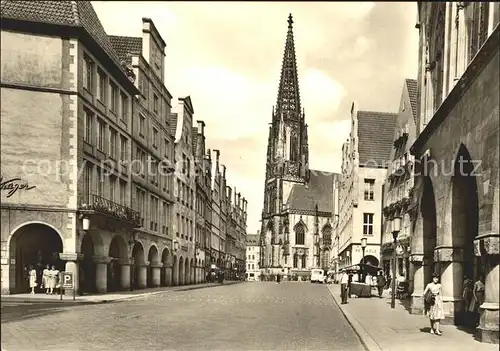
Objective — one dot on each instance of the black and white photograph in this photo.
(249, 175)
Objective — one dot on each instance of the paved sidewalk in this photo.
(110, 297)
(382, 328)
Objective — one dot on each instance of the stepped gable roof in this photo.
(253, 240)
(319, 190)
(375, 135)
(126, 45)
(76, 15)
(411, 86)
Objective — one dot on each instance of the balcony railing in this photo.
(101, 205)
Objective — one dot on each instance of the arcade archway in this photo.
(139, 261)
(175, 271)
(187, 273)
(163, 276)
(88, 266)
(180, 280)
(35, 244)
(117, 250)
(428, 210)
(153, 259)
(192, 279)
(465, 214)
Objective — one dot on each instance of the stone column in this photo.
(488, 246)
(156, 274)
(101, 273)
(419, 283)
(451, 263)
(142, 278)
(125, 264)
(168, 273)
(72, 266)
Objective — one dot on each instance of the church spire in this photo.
(288, 103)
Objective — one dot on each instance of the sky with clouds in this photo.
(227, 57)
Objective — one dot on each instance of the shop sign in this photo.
(11, 186)
(368, 250)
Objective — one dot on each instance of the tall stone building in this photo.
(153, 148)
(365, 156)
(457, 151)
(203, 174)
(298, 202)
(185, 188)
(398, 185)
(64, 87)
(218, 194)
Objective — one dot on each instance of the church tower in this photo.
(287, 152)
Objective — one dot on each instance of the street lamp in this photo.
(363, 247)
(396, 228)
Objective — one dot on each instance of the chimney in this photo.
(239, 200)
(235, 198)
(223, 172)
(209, 155)
(244, 205)
(201, 127)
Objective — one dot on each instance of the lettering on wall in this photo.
(11, 186)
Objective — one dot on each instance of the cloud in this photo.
(227, 57)
(321, 94)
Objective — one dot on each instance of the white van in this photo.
(317, 276)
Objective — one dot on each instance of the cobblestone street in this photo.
(246, 316)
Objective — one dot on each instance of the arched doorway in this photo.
(88, 266)
(35, 244)
(163, 275)
(117, 250)
(138, 256)
(180, 279)
(370, 260)
(428, 211)
(187, 272)
(153, 259)
(175, 271)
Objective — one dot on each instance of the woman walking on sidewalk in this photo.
(32, 278)
(434, 303)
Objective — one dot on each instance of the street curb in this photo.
(12, 298)
(366, 339)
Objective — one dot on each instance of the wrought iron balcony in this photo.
(99, 204)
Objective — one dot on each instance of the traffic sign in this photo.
(67, 280)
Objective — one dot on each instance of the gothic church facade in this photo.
(296, 232)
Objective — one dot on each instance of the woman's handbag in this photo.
(429, 300)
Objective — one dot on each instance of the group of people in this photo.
(345, 283)
(50, 279)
